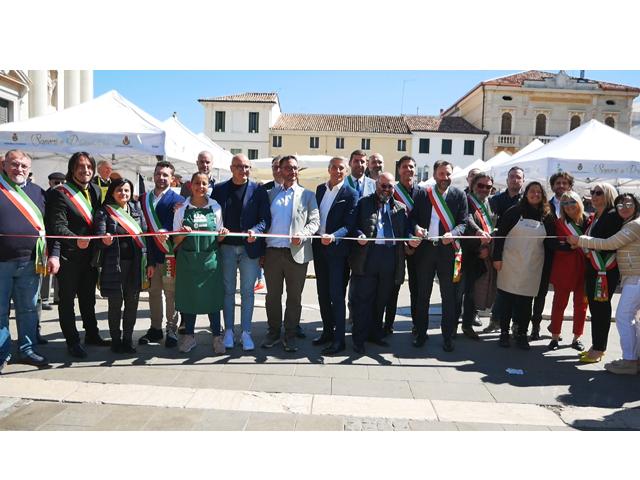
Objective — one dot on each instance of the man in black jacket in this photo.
(376, 265)
(439, 213)
(69, 213)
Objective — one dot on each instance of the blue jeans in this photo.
(18, 280)
(235, 257)
(190, 323)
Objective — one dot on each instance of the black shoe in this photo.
(522, 342)
(387, 330)
(420, 340)
(470, 333)
(322, 339)
(171, 340)
(153, 335)
(46, 306)
(127, 346)
(116, 345)
(448, 346)
(505, 340)
(414, 331)
(335, 347)
(40, 340)
(33, 358)
(477, 322)
(535, 334)
(289, 345)
(300, 333)
(379, 342)
(76, 350)
(96, 340)
(553, 345)
(358, 348)
(577, 345)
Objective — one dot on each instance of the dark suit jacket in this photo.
(366, 223)
(63, 219)
(165, 211)
(340, 218)
(455, 199)
(256, 213)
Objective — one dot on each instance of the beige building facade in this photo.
(519, 108)
(26, 94)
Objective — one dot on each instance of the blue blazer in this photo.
(340, 218)
(164, 210)
(256, 212)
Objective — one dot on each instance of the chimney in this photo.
(582, 74)
(441, 111)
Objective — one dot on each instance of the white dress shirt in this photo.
(281, 217)
(326, 203)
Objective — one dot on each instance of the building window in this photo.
(610, 122)
(505, 127)
(446, 147)
(254, 118)
(277, 141)
(220, 117)
(314, 142)
(575, 122)
(541, 125)
(235, 151)
(365, 144)
(4, 111)
(339, 143)
(469, 146)
(252, 153)
(402, 145)
(423, 145)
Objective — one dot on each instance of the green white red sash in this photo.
(32, 213)
(78, 200)
(601, 263)
(483, 214)
(153, 223)
(401, 194)
(447, 221)
(132, 227)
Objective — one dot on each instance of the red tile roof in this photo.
(425, 123)
(249, 97)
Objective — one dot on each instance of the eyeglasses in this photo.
(484, 186)
(568, 203)
(57, 182)
(596, 193)
(387, 186)
(620, 206)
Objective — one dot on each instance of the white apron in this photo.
(523, 258)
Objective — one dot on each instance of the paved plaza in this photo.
(394, 388)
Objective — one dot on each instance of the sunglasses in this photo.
(620, 206)
(484, 186)
(596, 193)
(568, 203)
(387, 186)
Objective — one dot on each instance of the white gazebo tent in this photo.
(591, 153)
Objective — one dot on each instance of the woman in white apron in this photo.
(519, 259)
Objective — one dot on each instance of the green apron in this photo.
(199, 284)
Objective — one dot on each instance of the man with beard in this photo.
(375, 165)
(439, 213)
(205, 165)
(376, 265)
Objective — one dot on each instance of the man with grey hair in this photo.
(205, 165)
(375, 165)
(104, 170)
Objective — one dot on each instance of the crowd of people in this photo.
(363, 230)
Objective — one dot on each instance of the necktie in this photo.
(85, 192)
(359, 188)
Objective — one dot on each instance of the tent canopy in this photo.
(182, 144)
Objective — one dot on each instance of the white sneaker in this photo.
(247, 342)
(228, 339)
(186, 343)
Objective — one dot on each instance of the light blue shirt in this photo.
(281, 217)
(383, 211)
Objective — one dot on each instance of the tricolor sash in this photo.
(128, 223)
(401, 194)
(601, 263)
(78, 200)
(483, 214)
(32, 213)
(154, 225)
(447, 221)
(353, 185)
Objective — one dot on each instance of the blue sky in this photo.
(161, 93)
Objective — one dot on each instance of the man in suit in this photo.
(439, 213)
(337, 202)
(404, 192)
(376, 265)
(275, 172)
(245, 208)
(205, 165)
(158, 207)
(104, 169)
(69, 212)
(295, 215)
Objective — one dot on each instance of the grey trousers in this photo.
(280, 269)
